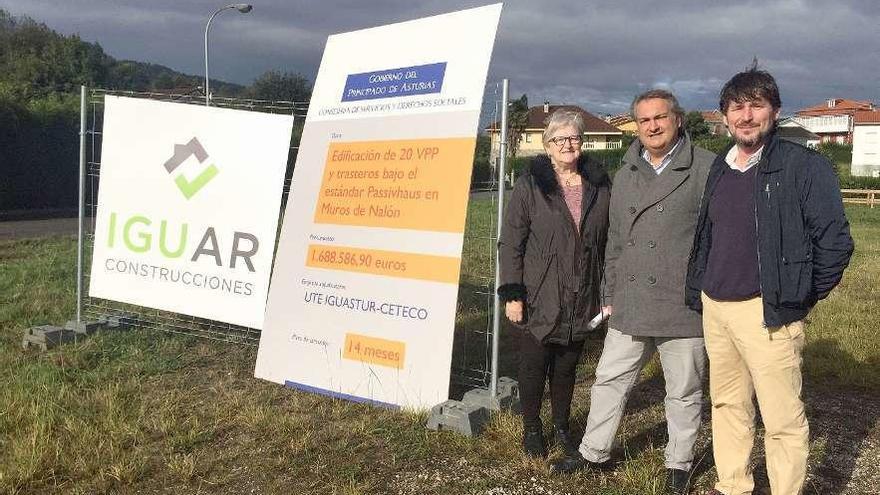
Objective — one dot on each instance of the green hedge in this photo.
(850, 182)
(518, 165)
(481, 175)
(39, 152)
(611, 159)
(836, 152)
(715, 144)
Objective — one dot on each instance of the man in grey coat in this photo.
(655, 200)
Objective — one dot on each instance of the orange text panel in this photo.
(419, 184)
(389, 263)
(374, 350)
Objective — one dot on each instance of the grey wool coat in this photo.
(548, 263)
(652, 219)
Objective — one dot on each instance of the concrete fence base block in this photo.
(452, 415)
(507, 398)
(45, 337)
(120, 321)
(84, 327)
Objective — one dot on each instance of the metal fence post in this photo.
(496, 315)
(84, 91)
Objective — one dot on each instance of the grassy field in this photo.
(143, 411)
(843, 348)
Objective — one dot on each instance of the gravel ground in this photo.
(845, 433)
(844, 457)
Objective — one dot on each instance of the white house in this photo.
(866, 144)
(833, 120)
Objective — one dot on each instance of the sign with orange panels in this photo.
(362, 301)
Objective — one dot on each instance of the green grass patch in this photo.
(144, 411)
(842, 345)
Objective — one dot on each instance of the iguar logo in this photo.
(189, 188)
(139, 234)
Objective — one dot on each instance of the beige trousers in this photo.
(746, 360)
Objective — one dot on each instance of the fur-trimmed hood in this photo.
(541, 168)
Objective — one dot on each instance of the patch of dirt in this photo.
(845, 423)
(844, 457)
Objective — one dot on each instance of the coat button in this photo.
(632, 210)
(652, 280)
(630, 243)
(660, 208)
(632, 278)
(652, 244)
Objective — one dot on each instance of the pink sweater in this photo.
(573, 197)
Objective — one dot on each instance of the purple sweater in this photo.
(732, 272)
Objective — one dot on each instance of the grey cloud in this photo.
(597, 54)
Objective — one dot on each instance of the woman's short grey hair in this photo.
(562, 118)
(660, 94)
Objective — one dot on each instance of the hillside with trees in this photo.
(41, 72)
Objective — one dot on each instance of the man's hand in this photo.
(514, 311)
(606, 311)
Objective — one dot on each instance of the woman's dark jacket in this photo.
(545, 261)
(804, 242)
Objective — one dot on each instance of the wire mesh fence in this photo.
(472, 345)
(473, 333)
(139, 316)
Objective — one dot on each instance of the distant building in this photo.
(623, 122)
(833, 120)
(791, 130)
(600, 135)
(866, 144)
(714, 120)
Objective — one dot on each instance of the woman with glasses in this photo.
(551, 251)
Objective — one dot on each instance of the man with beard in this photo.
(771, 240)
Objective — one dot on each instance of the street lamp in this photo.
(244, 8)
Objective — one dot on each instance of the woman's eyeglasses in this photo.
(560, 140)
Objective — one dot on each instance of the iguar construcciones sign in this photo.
(364, 290)
(188, 208)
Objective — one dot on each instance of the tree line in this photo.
(41, 72)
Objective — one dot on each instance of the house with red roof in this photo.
(599, 135)
(714, 120)
(866, 144)
(833, 120)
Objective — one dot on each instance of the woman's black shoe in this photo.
(567, 442)
(533, 442)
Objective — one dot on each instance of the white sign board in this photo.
(188, 208)
(364, 289)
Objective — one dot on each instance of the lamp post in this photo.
(244, 8)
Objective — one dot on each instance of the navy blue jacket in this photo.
(804, 242)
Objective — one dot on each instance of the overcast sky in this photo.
(597, 54)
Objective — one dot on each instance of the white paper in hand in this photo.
(596, 321)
